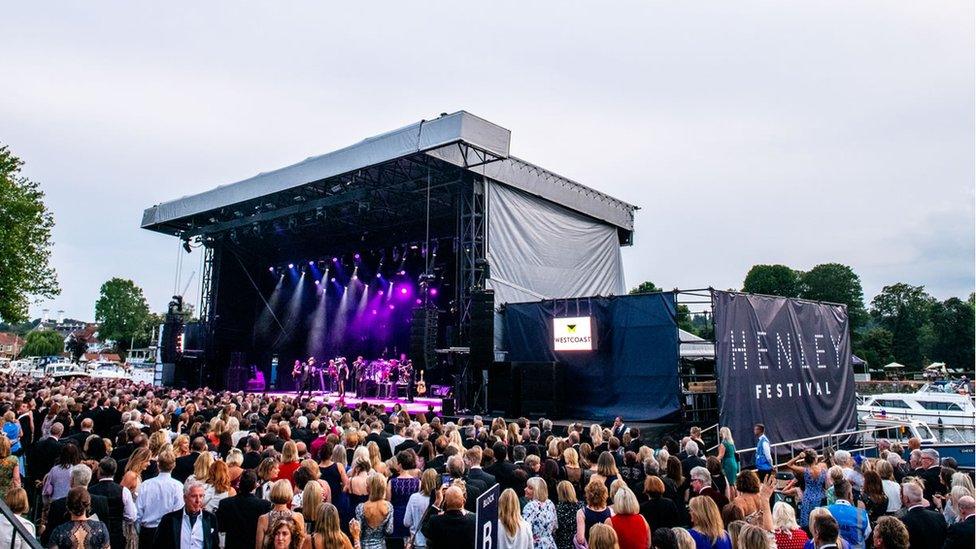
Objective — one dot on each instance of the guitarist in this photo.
(303, 373)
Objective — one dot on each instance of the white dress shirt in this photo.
(157, 496)
(191, 537)
(128, 504)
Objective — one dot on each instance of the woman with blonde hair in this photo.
(787, 531)
(606, 469)
(707, 526)
(754, 537)
(375, 516)
(201, 469)
(267, 471)
(358, 487)
(596, 435)
(540, 513)
(16, 500)
(727, 455)
(289, 462)
(217, 487)
(417, 505)
(312, 499)
(566, 509)
(328, 532)
(514, 532)
(235, 460)
(281, 495)
(633, 532)
(603, 537)
(376, 460)
(684, 539)
(181, 446)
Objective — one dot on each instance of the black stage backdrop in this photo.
(785, 363)
(633, 370)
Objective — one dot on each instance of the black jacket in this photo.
(504, 473)
(171, 526)
(112, 492)
(385, 451)
(238, 517)
(450, 529)
(480, 474)
(926, 528)
(42, 457)
(961, 534)
(58, 514)
(184, 466)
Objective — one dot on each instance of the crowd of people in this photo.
(99, 464)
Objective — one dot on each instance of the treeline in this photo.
(903, 323)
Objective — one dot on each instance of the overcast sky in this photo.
(746, 132)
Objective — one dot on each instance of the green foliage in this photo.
(778, 280)
(77, 345)
(904, 310)
(43, 343)
(875, 347)
(25, 241)
(838, 284)
(645, 287)
(145, 337)
(121, 312)
(952, 324)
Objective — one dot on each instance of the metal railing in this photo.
(19, 536)
(831, 441)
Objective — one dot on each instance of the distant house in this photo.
(10, 345)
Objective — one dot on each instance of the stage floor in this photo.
(419, 404)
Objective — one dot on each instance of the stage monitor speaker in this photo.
(482, 329)
(504, 390)
(541, 388)
(423, 337)
(447, 406)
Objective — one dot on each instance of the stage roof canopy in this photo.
(459, 139)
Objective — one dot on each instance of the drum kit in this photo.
(382, 375)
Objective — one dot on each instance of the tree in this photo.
(904, 310)
(778, 280)
(838, 284)
(121, 312)
(25, 241)
(147, 336)
(952, 323)
(43, 343)
(77, 345)
(875, 347)
(645, 287)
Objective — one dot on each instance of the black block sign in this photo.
(785, 363)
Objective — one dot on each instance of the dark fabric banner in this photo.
(785, 363)
(632, 369)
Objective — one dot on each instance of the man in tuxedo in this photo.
(440, 460)
(381, 438)
(926, 528)
(58, 513)
(693, 460)
(192, 526)
(618, 428)
(472, 459)
(410, 443)
(252, 457)
(701, 485)
(108, 417)
(44, 453)
(238, 515)
(120, 504)
(79, 438)
(930, 473)
(455, 469)
(184, 465)
(635, 440)
(961, 534)
(502, 470)
(451, 527)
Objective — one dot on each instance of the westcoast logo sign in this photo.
(572, 334)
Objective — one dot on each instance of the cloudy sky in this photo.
(747, 132)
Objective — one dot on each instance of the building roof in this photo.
(10, 338)
(461, 138)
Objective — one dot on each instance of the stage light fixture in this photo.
(403, 291)
(311, 263)
(291, 265)
(356, 257)
(378, 275)
(335, 259)
(419, 301)
(433, 292)
(317, 282)
(392, 306)
(271, 269)
(332, 279)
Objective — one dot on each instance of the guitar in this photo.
(421, 385)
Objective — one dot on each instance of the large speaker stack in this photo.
(423, 337)
(238, 374)
(482, 329)
(533, 389)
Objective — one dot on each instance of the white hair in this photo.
(691, 448)
(912, 492)
(842, 457)
(80, 475)
(702, 474)
(190, 485)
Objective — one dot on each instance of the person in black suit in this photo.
(409, 444)
(926, 528)
(961, 534)
(931, 473)
(693, 460)
(79, 438)
(452, 527)
(252, 457)
(44, 453)
(58, 513)
(202, 524)
(472, 460)
(184, 465)
(238, 515)
(118, 501)
(380, 437)
(439, 460)
(503, 470)
(618, 428)
(108, 418)
(474, 488)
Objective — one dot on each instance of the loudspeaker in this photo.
(423, 338)
(447, 406)
(482, 329)
(541, 388)
(504, 393)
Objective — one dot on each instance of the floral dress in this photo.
(813, 494)
(7, 473)
(542, 517)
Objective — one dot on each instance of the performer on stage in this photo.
(303, 373)
(358, 374)
(342, 374)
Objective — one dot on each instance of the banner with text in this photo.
(486, 517)
(785, 363)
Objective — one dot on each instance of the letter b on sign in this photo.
(487, 537)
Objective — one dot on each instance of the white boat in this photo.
(109, 370)
(949, 441)
(937, 404)
(60, 370)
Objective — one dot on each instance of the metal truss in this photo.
(472, 240)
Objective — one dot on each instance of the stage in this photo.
(419, 404)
